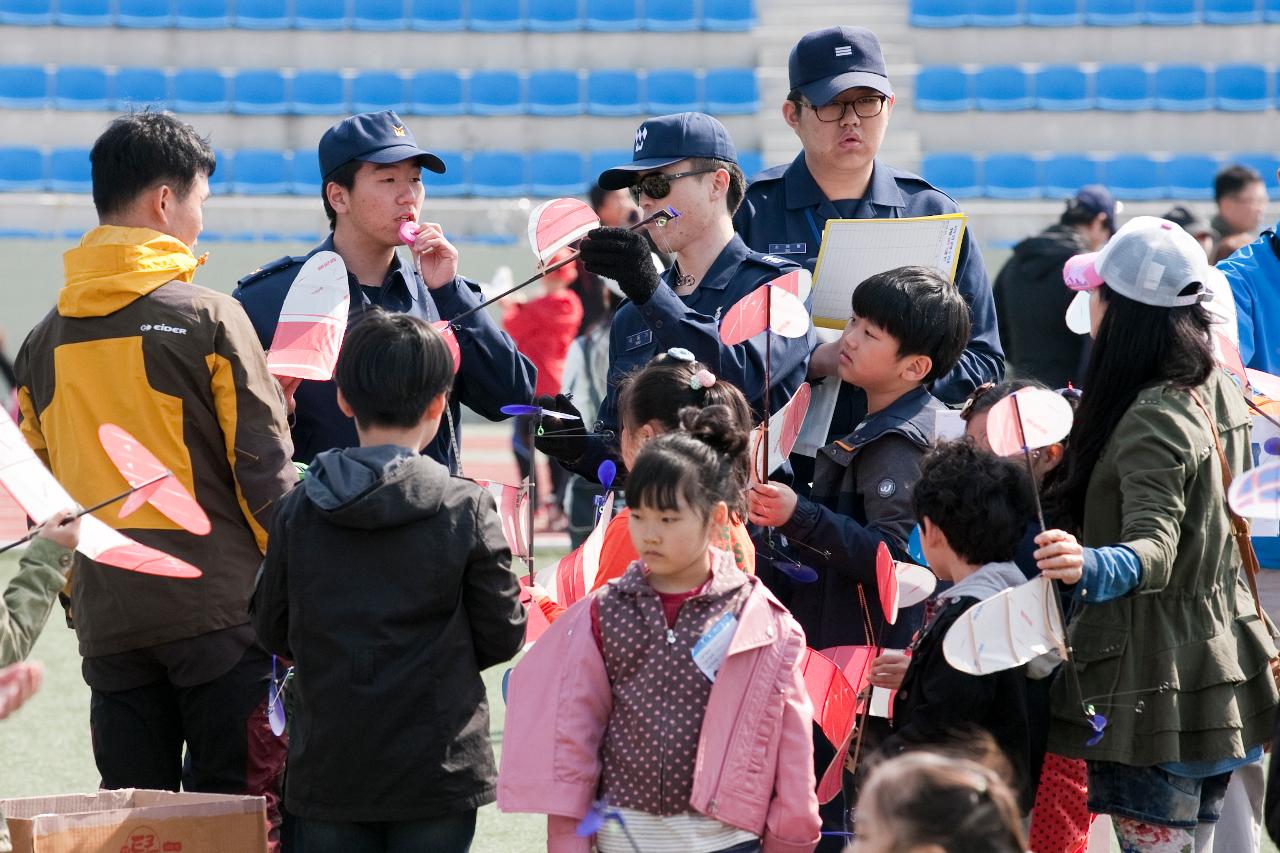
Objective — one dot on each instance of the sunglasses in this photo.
(657, 185)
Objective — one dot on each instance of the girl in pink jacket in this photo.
(672, 699)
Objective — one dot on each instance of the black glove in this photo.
(563, 440)
(623, 256)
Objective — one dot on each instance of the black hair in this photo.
(986, 395)
(664, 387)
(980, 502)
(705, 461)
(390, 367)
(923, 311)
(737, 181)
(1137, 345)
(345, 177)
(1233, 179)
(596, 196)
(143, 150)
(1079, 214)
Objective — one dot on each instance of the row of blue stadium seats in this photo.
(268, 172)
(384, 15)
(269, 92)
(1184, 88)
(1102, 13)
(1130, 176)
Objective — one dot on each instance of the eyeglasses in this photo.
(868, 106)
(657, 185)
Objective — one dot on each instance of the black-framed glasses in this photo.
(867, 106)
(657, 185)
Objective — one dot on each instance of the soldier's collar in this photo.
(803, 191)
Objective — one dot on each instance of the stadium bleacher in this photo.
(1102, 13)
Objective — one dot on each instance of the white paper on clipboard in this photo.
(855, 249)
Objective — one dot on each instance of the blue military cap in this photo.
(374, 138)
(664, 140)
(826, 62)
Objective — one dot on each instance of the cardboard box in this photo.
(138, 821)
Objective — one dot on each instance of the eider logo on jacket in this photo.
(161, 327)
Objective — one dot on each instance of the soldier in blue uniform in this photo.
(839, 106)
(688, 162)
(372, 185)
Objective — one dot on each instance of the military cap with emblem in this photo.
(379, 137)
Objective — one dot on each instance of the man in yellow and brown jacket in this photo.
(135, 343)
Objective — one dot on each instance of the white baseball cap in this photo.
(1149, 260)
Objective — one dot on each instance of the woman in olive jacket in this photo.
(1167, 644)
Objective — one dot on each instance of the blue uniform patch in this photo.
(788, 248)
(639, 339)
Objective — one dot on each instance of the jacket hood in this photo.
(986, 582)
(371, 488)
(1047, 251)
(113, 266)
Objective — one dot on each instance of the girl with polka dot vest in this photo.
(672, 698)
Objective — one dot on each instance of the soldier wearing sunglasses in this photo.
(839, 107)
(685, 161)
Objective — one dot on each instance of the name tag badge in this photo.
(639, 339)
(787, 248)
(713, 646)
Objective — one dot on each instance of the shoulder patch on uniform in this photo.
(886, 487)
(269, 269)
(775, 260)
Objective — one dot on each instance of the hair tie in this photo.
(702, 379)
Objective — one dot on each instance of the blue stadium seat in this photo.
(262, 15)
(1002, 88)
(1054, 13)
(1182, 88)
(496, 93)
(144, 14)
(70, 170)
(1271, 11)
(220, 180)
(83, 13)
(555, 93)
(751, 163)
(553, 16)
(728, 15)
(377, 90)
(556, 173)
(495, 16)
(199, 90)
(1232, 12)
(669, 16)
(1133, 176)
(306, 178)
(995, 13)
(258, 92)
(436, 93)
(436, 15)
(21, 168)
(943, 88)
(1264, 163)
(1240, 87)
(137, 87)
(260, 172)
(320, 15)
(378, 15)
(671, 91)
(80, 87)
(1190, 176)
(1011, 176)
(1063, 174)
(1062, 88)
(956, 174)
(453, 182)
(25, 13)
(1123, 87)
(605, 159)
(202, 14)
(941, 14)
(496, 174)
(612, 16)
(731, 91)
(613, 93)
(319, 93)
(1175, 13)
(23, 87)
(1112, 13)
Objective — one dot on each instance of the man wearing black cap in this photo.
(372, 165)
(839, 106)
(685, 161)
(1029, 295)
